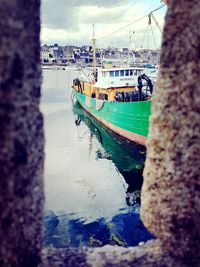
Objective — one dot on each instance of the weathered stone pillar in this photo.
(21, 134)
(171, 190)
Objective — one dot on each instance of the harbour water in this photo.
(93, 177)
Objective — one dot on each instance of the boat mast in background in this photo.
(94, 52)
(131, 48)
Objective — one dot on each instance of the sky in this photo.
(69, 22)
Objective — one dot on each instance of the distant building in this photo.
(84, 55)
(45, 53)
(58, 53)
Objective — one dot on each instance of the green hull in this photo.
(128, 119)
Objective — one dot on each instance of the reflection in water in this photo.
(125, 229)
(93, 177)
(127, 156)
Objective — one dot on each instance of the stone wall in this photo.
(21, 134)
(171, 190)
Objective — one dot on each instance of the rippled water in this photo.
(92, 176)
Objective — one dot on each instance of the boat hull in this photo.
(128, 119)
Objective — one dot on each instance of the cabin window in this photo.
(112, 73)
(103, 96)
(126, 72)
(121, 72)
(131, 72)
(116, 73)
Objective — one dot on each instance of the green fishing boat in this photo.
(130, 120)
(125, 109)
(119, 98)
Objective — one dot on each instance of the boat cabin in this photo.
(117, 77)
(113, 84)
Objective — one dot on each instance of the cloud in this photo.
(62, 14)
(65, 21)
(56, 16)
(102, 3)
(62, 37)
(101, 15)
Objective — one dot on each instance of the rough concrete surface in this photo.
(149, 254)
(171, 189)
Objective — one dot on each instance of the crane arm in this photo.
(156, 22)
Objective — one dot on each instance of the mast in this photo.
(68, 56)
(94, 51)
(129, 50)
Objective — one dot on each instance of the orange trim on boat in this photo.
(131, 136)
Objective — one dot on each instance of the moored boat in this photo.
(118, 99)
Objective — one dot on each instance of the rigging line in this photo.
(154, 39)
(144, 35)
(122, 28)
(158, 8)
(148, 36)
(156, 22)
(132, 5)
(132, 22)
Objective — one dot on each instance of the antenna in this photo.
(94, 50)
